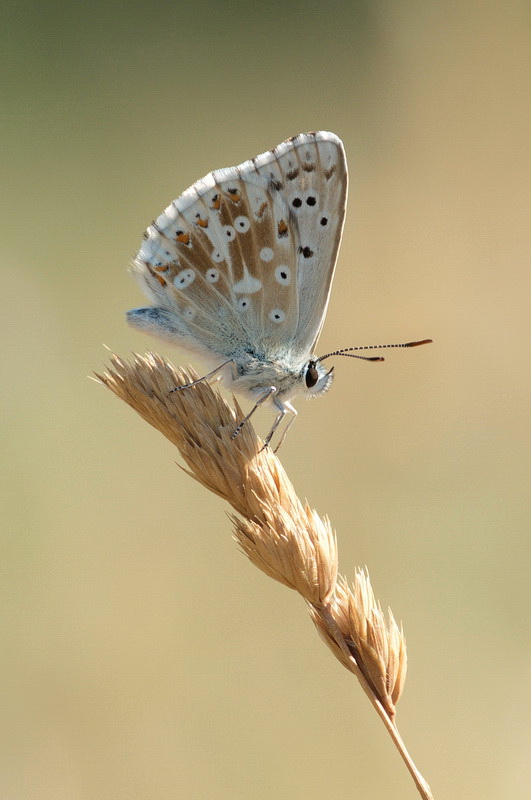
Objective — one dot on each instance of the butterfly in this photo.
(239, 270)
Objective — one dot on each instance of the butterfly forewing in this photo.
(244, 259)
(311, 174)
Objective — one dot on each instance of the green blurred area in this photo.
(143, 657)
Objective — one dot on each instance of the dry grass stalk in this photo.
(377, 646)
(282, 536)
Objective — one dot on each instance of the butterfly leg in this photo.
(285, 408)
(200, 380)
(267, 394)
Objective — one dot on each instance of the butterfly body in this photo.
(239, 268)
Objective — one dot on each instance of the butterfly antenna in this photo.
(347, 351)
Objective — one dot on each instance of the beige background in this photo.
(143, 657)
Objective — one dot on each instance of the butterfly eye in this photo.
(312, 376)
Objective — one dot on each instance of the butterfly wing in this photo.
(242, 262)
(310, 173)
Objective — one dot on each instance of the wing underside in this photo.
(244, 259)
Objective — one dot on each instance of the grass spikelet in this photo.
(281, 535)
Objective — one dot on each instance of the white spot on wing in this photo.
(283, 275)
(277, 315)
(242, 224)
(266, 254)
(184, 278)
(248, 284)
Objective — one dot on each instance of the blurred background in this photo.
(143, 656)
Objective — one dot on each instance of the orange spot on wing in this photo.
(216, 202)
(234, 195)
(183, 238)
(282, 228)
(155, 275)
(203, 223)
(262, 209)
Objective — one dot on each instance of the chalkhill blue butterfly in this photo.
(239, 270)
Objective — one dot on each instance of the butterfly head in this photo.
(316, 378)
